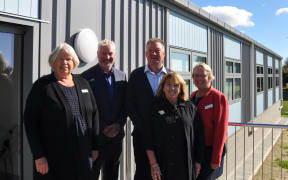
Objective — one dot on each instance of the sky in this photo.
(265, 21)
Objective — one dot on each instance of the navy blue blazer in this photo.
(139, 99)
(110, 111)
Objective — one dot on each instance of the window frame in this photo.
(261, 77)
(233, 76)
(187, 76)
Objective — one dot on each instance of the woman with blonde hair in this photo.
(213, 107)
(174, 137)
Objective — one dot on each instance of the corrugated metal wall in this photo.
(29, 8)
(217, 59)
(246, 96)
(231, 48)
(187, 33)
(130, 23)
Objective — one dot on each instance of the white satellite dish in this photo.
(86, 45)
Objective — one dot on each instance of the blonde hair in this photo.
(108, 43)
(68, 49)
(173, 75)
(206, 68)
(155, 40)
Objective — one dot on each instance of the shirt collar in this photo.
(147, 69)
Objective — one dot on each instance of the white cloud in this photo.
(231, 15)
(281, 11)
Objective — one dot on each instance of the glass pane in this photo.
(9, 112)
(197, 59)
(180, 62)
(258, 70)
(261, 70)
(229, 67)
(237, 68)
(262, 84)
(228, 88)
(258, 85)
(188, 87)
(237, 88)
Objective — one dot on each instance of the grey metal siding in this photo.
(246, 94)
(217, 59)
(187, 33)
(29, 8)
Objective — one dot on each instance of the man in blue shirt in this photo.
(142, 86)
(109, 89)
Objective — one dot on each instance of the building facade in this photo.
(246, 71)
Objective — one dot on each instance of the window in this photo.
(260, 84)
(183, 61)
(277, 72)
(260, 78)
(180, 62)
(233, 79)
(270, 77)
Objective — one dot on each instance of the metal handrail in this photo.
(258, 125)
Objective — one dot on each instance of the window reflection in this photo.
(180, 62)
(229, 67)
(9, 141)
(228, 88)
(197, 60)
(237, 88)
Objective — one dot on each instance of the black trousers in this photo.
(108, 161)
(143, 171)
(206, 172)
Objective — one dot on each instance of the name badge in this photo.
(209, 106)
(84, 91)
(161, 112)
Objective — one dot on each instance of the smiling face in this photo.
(64, 64)
(155, 54)
(201, 78)
(172, 89)
(106, 58)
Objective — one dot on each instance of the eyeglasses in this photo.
(199, 75)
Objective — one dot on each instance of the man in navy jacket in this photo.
(109, 87)
(142, 86)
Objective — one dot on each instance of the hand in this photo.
(214, 166)
(112, 130)
(198, 168)
(94, 155)
(155, 172)
(41, 165)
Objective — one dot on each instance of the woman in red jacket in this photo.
(213, 107)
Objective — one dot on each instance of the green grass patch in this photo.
(283, 164)
(285, 147)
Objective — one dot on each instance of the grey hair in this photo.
(155, 40)
(68, 49)
(108, 43)
(206, 68)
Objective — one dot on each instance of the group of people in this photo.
(75, 123)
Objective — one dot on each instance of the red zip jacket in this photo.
(214, 111)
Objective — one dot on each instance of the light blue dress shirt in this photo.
(154, 79)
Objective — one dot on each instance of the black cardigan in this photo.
(139, 99)
(157, 134)
(49, 126)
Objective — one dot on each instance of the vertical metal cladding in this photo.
(131, 23)
(246, 94)
(217, 59)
